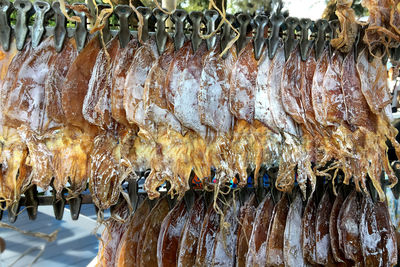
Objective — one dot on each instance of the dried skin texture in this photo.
(388, 242)
(384, 23)
(214, 90)
(369, 234)
(348, 25)
(127, 249)
(14, 172)
(292, 246)
(357, 110)
(308, 225)
(105, 171)
(170, 234)
(154, 94)
(258, 240)
(55, 79)
(183, 86)
(276, 233)
(317, 90)
(190, 234)
(333, 228)
(243, 84)
(96, 107)
(121, 63)
(373, 78)
(348, 228)
(323, 252)
(24, 101)
(134, 86)
(247, 216)
(147, 248)
(112, 236)
(225, 240)
(76, 84)
(209, 230)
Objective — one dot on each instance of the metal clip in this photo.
(106, 29)
(58, 206)
(60, 30)
(260, 22)
(227, 33)
(319, 45)
(334, 25)
(161, 34)
(123, 12)
(291, 42)
(133, 193)
(5, 28)
(80, 29)
(178, 18)
(38, 28)
(273, 41)
(243, 20)
(211, 16)
(305, 42)
(146, 13)
(75, 207)
(31, 202)
(13, 211)
(24, 11)
(195, 18)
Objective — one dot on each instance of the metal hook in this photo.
(260, 22)
(273, 41)
(123, 12)
(80, 29)
(38, 29)
(178, 18)
(305, 42)
(58, 206)
(146, 14)
(24, 11)
(6, 8)
(161, 34)
(106, 29)
(210, 17)
(75, 207)
(227, 33)
(31, 202)
(243, 20)
(320, 43)
(60, 30)
(195, 18)
(291, 42)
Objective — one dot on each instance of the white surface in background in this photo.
(312, 9)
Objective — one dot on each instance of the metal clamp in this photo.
(60, 30)
(291, 42)
(106, 29)
(226, 35)
(24, 11)
(305, 42)
(80, 30)
(146, 14)
(211, 16)
(6, 8)
(273, 41)
(322, 26)
(38, 29)
(243, 20)
(195, 18)
(123, 12)
(260, 22)
(133, 188)
(161, 34)
(58, 205)
(75, 207)
(178, 18)
(31, 202)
